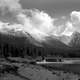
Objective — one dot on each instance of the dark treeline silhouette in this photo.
(11, 46)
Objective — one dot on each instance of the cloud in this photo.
(75, 18)
(11, 5)
(37, 24)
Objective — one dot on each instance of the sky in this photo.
(53, 7)
(39, 25)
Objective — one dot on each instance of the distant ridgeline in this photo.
(12, 46)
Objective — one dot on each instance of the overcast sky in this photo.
(54, 7)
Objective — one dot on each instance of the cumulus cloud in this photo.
(11, 5)
(38, 24)
(75, 18)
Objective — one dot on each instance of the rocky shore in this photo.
(26, 71)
